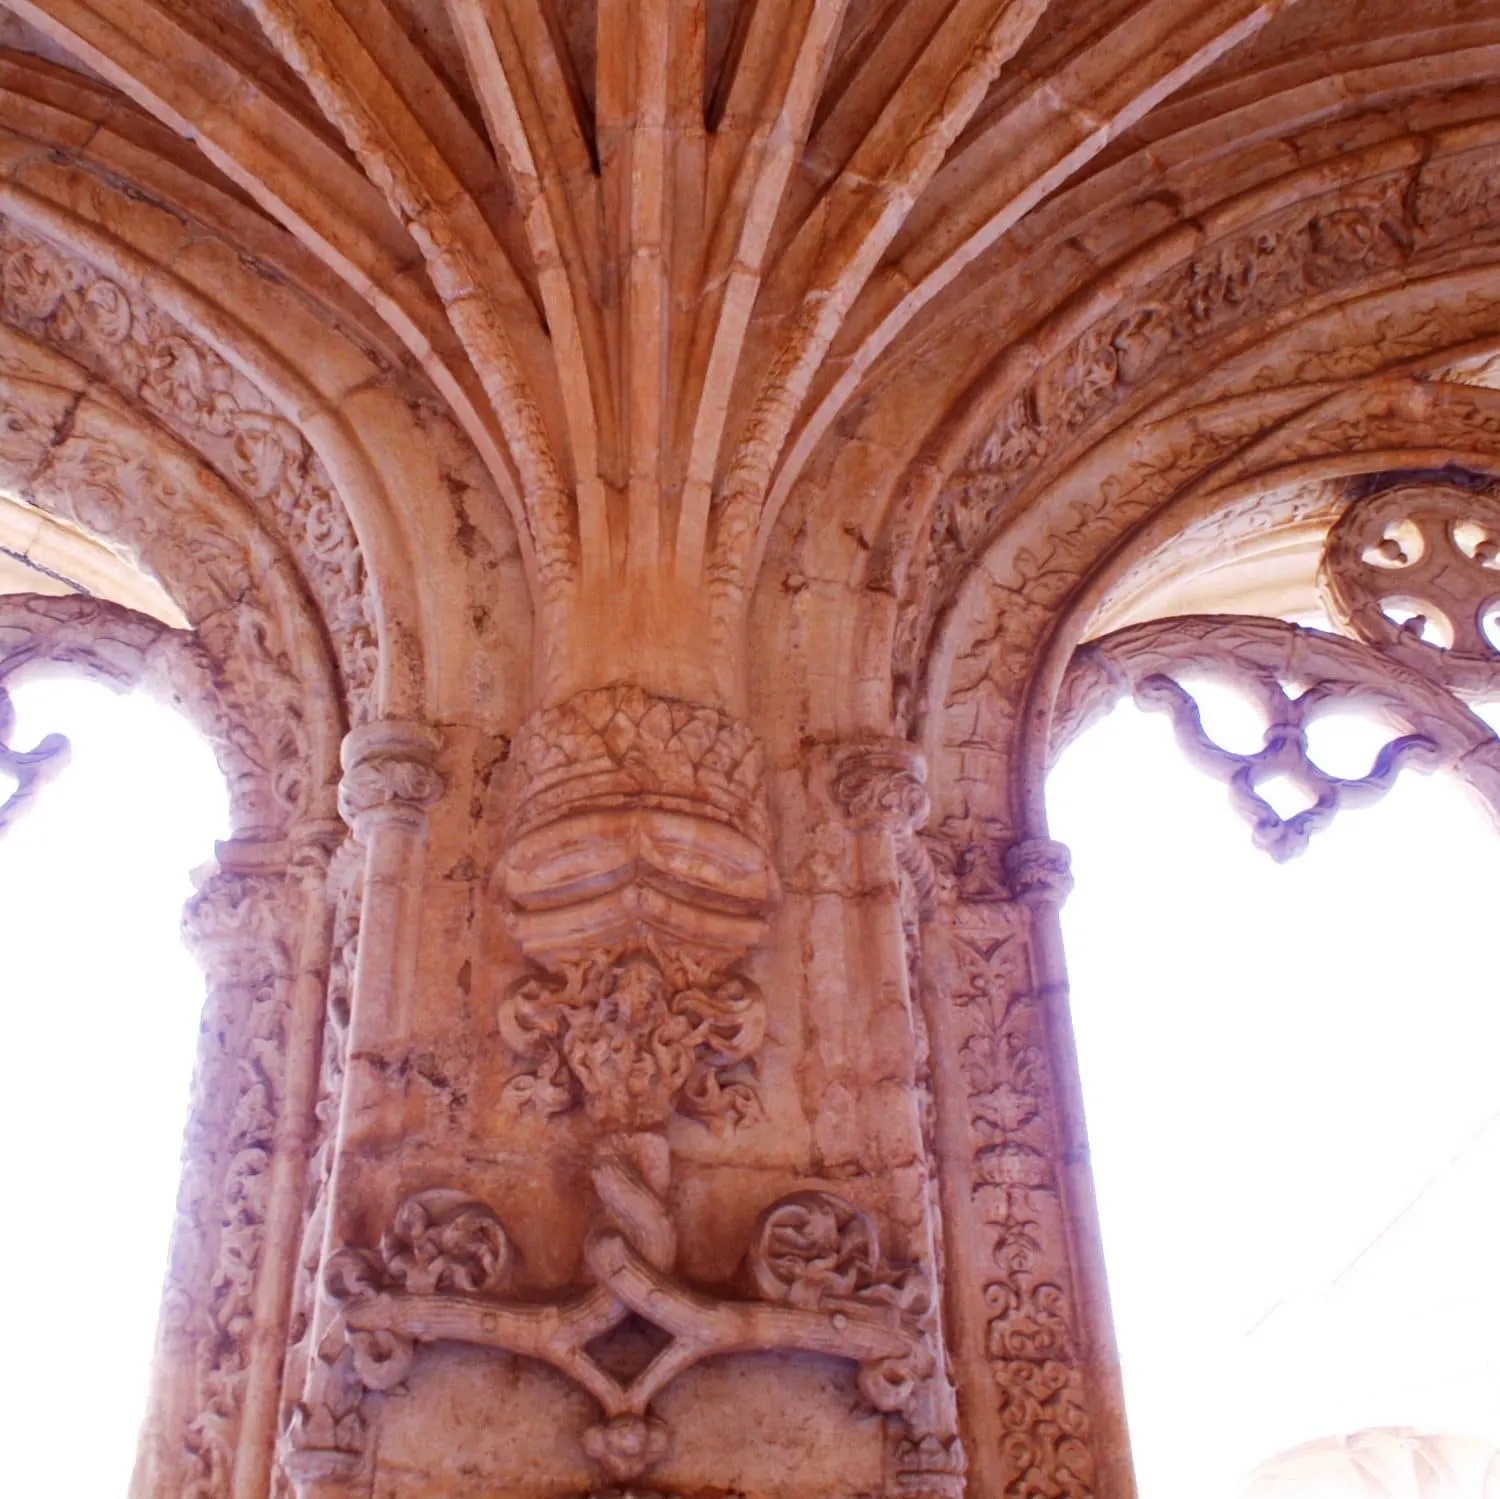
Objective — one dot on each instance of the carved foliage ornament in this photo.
(442, 1267)
(1029, 1336)
(632, 1036)
(1290, 257)
(621, 745)
(52, 293)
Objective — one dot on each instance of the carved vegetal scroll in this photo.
(632, 1035)
(58, 296)
(444, 1265)
(1019, 1323)
(1295, 675)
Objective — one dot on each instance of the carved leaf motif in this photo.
(444, 1241)
(633, 1045)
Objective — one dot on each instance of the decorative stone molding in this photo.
(636, 815)
(123, 650)
(235, 925)
(389, 775)
(881, 784)
(814, 1262)
(1039, 870)
(1309, 248)
(1031, 1335)
(58, 296)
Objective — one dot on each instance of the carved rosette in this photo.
(1415, 572)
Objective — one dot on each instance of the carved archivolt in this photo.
(100, 469)
(58, 297)
(1290, 262)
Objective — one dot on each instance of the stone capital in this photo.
(881, 783)
(636, 817)
(1039, 871)
(389, 774)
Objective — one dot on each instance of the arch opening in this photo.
(102, 1006)
(1293, 1123)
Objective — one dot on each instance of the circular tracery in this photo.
(1415, 572)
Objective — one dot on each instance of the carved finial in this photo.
(1039, 870)
(881, 783)
(389, 773)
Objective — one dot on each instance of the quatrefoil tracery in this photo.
(1430, 553)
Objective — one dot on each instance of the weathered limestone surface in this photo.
(634, 479)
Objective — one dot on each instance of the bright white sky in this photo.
(1290, 1073)
(1291, 1086)
(101, 1004)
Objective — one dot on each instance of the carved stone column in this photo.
(1010, 1137)
(308, 925)
(390, 780)
(1039, 871)
(237, 925)
(880, 786)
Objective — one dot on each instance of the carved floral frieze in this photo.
(1308, 251)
